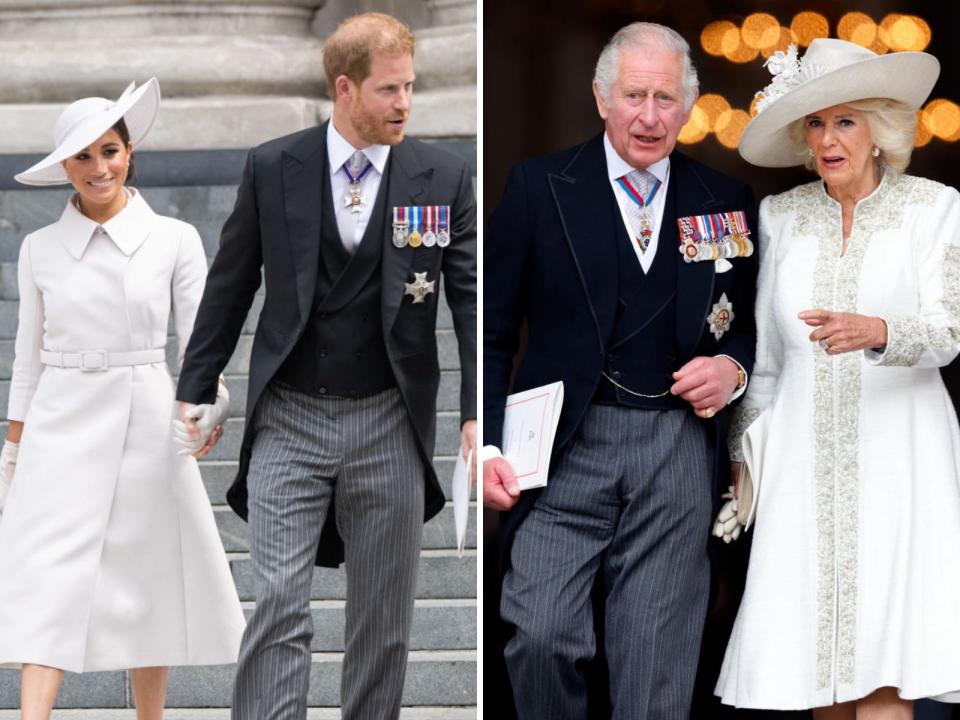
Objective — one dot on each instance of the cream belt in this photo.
(101, 360)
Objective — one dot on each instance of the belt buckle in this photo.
(102, 366)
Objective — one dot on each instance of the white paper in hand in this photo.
(461, 498)
(529, 426)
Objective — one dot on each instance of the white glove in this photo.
(727, 526)
(8, 464)
(207, 418)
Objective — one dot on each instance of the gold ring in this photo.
(709, 412)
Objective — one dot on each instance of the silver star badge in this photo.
(419, 288)
(354, 200)
(721, 317)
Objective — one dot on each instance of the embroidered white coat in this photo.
(109, 553)
(854, 576)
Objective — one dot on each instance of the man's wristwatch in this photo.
(741, 377)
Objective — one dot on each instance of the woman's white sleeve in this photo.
(26, 362)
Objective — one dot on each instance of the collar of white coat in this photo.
(128, 228)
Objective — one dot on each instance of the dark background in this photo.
(538, 61)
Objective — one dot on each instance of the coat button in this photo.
(323, 354)
(616, 374)
(322, 390)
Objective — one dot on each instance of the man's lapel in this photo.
(583, 197)
(304, 180)
(407, 183)
(694, 280)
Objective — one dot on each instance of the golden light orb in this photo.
(808, 26)
(753, 105)
(720, 37)
(730, 126)
(742, 53)
(787, 36)
(760, 30)
(905, 32)
(923, 134)
(713, 107)
(942, 119)
(696, 128)
(856, 27)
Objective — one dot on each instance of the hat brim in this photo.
(908, 77)
(139, 111)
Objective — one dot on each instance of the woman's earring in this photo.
(810, 151)
(876, 151)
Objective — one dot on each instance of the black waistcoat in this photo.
(341, 351)
(642, 351)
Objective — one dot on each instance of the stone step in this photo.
(437, 624)
(446, 678)
(440, 574)
(219, 474)
(406, 713)
(438, 532)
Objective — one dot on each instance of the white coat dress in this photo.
(854, 575)
(109, 553)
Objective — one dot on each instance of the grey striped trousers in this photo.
(361, 455)
(630, 498)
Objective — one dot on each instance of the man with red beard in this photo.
(352, 226)
(631, 266)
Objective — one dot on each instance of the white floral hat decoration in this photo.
(85, 120)
(831, 72)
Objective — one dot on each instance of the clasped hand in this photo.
(707, 383)
(200, 427)
(840, 332)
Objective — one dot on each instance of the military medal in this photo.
(645, 230)
(415, 238)
(419, 288)
(721, 317)
(399, 227)
(354, 200)
(429, 237)
(443, 236)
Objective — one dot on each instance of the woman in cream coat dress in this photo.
(852, 599)
(109, 554)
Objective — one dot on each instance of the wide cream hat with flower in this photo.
(831, 72)
(86, 120)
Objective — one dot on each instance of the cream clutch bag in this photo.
(739, 511)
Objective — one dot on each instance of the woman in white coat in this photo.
(109, 554)
(852, 599)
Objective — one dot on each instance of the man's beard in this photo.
(372, 129)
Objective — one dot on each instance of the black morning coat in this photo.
(275, 228)
(550, 259)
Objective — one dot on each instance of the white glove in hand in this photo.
(726, 525)
(8, 463)
(207, 418)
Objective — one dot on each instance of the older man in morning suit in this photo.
(352, 226)
(632, 267)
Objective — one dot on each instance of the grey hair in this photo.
(644, 35)
(892, 125)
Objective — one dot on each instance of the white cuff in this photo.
(489, 452)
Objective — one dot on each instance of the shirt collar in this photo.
(127, 229)
(339, 151)
(618, 167)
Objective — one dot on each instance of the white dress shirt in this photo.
(338, 152)
(618, 167)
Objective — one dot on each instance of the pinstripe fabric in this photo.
(304, 447)
(629, 498)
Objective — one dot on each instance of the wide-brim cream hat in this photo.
(831, 72)
(86, 120)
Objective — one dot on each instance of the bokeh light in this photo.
(923, 135)
(696, 128)
(720, 37)
(808, 26)
(713, 106)
(942, 118)
(730, 126)
(787, 36)
(760, 31)
(905, 32)
(742, 53)
(858, 28)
